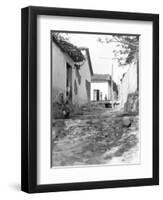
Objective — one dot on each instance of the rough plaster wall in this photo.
(129, 83)
(58, 71)
(84, 71)
(59, 60)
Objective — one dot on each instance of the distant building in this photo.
(101, 88)
(71, 71)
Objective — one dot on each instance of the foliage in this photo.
(61, 36)
(127, 47)
(63, 41)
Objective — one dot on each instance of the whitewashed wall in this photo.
(103, 87)
(59, 60)
(129, 83)
(82, 96)
(58, 70)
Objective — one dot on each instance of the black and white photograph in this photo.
(95, 118)
(90, 99)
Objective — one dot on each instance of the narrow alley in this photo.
(96, 135)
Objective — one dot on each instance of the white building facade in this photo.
(100, 87)
(71, 72)
(129, 82)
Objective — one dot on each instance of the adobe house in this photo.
(71, 71)
(101, 88)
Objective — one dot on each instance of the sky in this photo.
(101, 54)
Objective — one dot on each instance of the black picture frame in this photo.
(29, 99)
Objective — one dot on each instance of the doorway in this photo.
(96, 94)
(69, 82)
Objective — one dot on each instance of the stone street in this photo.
(96, 136)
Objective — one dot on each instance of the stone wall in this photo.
(132, 104)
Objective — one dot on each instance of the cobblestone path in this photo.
(95, 138)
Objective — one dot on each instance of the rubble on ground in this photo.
(94, 137)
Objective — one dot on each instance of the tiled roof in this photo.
(101, 77)
(73, 51)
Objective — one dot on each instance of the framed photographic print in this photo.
(90, 99)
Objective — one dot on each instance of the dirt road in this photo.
(95, 138)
